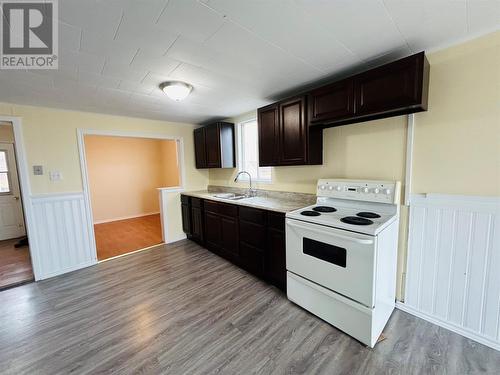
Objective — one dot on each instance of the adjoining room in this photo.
(124, 174)
(15, 261)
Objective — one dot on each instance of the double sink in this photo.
(230, 196)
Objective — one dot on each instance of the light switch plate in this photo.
(38, 170)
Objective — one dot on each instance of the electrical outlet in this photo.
(38, 170)
(55, 176)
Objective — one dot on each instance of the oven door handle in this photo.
(352, 239)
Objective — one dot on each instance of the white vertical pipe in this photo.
(409, 158)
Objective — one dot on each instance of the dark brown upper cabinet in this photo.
(214, 146)
(268, 135)
(332, 102)
(293, 132)
(199, 147)
(396, 88)
(392, 89)
(285, 137)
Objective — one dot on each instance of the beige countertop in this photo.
(279, 202)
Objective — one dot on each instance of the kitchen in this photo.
(287, 267)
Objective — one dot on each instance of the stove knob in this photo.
(338, 188)
(387, 191)
(365, 190)
(322, 187)
(330, 187)
(376, 190)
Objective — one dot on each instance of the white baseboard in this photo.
(180, 238)
(454, 328)
(67, 269)
(125, 217)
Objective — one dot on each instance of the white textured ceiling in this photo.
(238, 54)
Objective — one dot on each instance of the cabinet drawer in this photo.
(252, 215)
(227, 209)
(276, 220)
(253, 234)
(184, 199)
(211, 206)
(196, 202)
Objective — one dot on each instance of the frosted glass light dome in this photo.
(176, 90)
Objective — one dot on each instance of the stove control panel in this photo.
(370, 191)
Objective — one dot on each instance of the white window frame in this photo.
(240, 158)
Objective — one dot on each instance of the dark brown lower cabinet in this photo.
(212, 231)
(252, 259)
(197, 224)
(186, 215)
(251, 238)
(229, 239)
(275, 262)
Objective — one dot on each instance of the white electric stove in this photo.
(341, 255)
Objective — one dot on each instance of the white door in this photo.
(11, 210)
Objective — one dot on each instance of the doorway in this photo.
(15, 260)
(123, 175)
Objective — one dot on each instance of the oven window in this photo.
(329, 253)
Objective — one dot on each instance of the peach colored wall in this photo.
(170, 170)
(125, 172)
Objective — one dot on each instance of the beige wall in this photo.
(124, 173)
(457, 141)
(6, 132)
(456, 144)
(50, 138)
(374, 150)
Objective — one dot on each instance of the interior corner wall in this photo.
(124, 174)
(170, 163)
(6, 132)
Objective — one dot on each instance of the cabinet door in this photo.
(332, 102)
(199, 148)
(229, 238)
(196, 224)
(212, 143)
(186, 219)
(275, 260)
(212, 231)
(268, 124)
(252, 259)
(389, 87)
(293, 132)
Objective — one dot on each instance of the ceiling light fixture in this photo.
(176, 90)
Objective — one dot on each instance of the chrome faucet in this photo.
(251, 192)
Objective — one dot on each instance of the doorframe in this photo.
(25, 189)
(81, 133)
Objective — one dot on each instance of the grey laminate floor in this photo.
(182, 310)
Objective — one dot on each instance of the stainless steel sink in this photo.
(229, 196)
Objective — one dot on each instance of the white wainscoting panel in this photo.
(64, 233)
(453, 268)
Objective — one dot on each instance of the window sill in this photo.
(245, 180)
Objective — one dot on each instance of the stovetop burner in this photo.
(324, 209)
(368, 215)
(356, 220)
(310, 213)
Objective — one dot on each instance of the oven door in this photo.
(339, 260)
